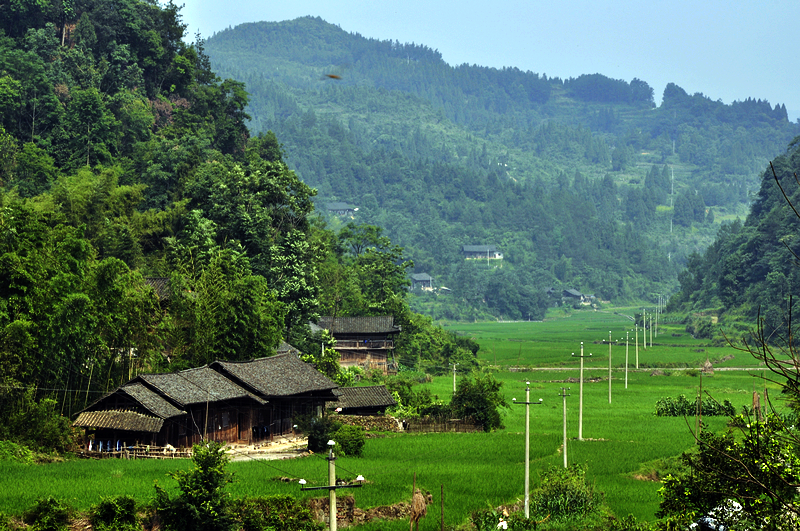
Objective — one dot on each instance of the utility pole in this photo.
(651, 329)
(454, 378)
(332, 486)
(637, 345)
(627, 332)
(580, 397)
(609, 366)
(644, 327)
(528, 447)
(564, 396)
(332, 483)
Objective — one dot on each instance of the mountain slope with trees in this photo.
(143, 228)
(581, 183)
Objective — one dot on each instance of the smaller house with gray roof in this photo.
(369, 400)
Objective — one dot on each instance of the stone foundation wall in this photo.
(375, 423)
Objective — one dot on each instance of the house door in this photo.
(245, 433)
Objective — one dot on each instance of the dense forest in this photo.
(143, 228)
(581, 183)
(751, 269)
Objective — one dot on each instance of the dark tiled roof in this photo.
(339, 206)
(372, 396)
(194, 386)
(120, 420)
(479, 248)
(279, 375)
(380, 324)
(421, 277)
(285, 348)
(151, 400)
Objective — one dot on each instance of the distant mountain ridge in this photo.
(394, 129)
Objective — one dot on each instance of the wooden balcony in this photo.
(385, 344)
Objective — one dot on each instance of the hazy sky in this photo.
(728, 50)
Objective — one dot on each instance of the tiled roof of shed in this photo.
(154, 403)
(120, 420)
(371, 396)
(279, 375)
(195, 386)
(379, 324)
(421, 277)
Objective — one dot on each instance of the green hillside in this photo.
(581, 183)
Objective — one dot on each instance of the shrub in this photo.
(564, 493)
(478, 397)
(48, 514)
(350, 440)
(319, 431)
(202, 504)
(681, 406)
(115, 514)
(274, 512)
(10, 451)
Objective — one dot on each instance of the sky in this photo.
(728, 50)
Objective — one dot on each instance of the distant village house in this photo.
(477, 252)
(341, 209)
(422, 281)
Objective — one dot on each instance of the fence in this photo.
(441, 425)
(139, 452)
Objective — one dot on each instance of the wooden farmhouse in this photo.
(366, 342)
(236, 402)
(370, 400)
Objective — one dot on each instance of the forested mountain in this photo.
(752, 268)
(142, 227)
(580, 183)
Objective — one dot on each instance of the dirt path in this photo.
(281, 449)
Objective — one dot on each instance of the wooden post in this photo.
(442, 496)
(332, 492)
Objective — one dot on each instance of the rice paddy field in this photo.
(480, 470)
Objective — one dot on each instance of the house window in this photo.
(225, 419)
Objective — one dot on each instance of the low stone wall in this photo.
(373, 423)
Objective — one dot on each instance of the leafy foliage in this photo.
(319, 430)
(115, 514)
(48, 514)
(478, 397)
(757, 470)
(274, 512)
(350, 440)
(202, 503)
(682, 407)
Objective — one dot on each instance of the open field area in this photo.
(478, 470)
